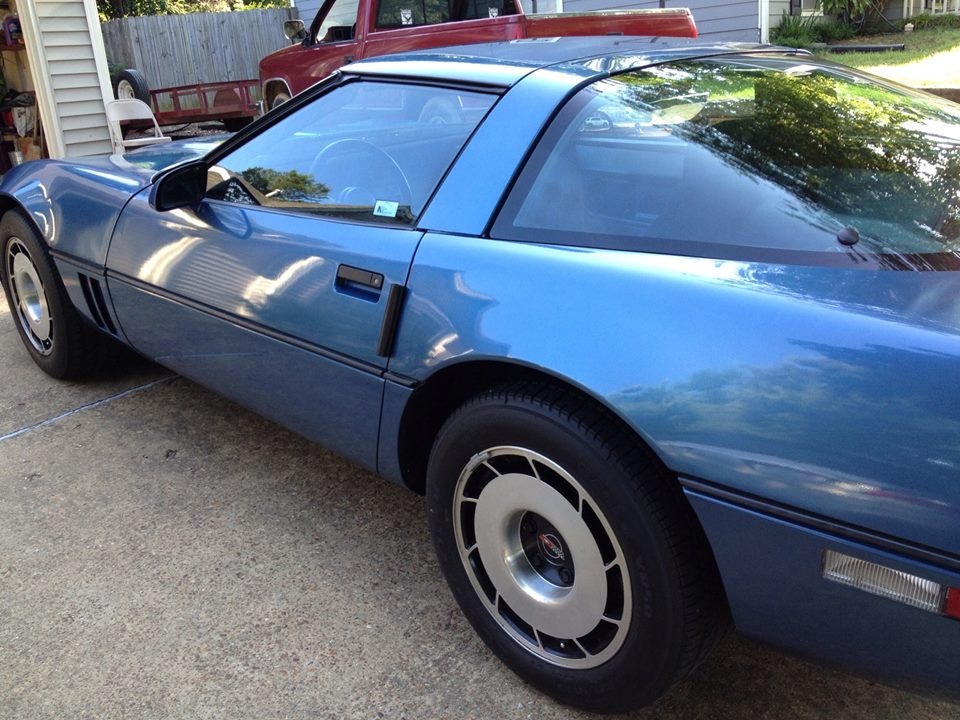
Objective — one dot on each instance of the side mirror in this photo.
(183, 186)
(294, 30)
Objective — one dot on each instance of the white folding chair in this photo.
(120, 111)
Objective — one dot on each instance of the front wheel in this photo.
(279, 99)
(576, 560)
(58, 340)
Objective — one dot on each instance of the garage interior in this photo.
(56, 81)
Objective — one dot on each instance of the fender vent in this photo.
(97, 304)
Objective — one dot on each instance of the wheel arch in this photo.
(9, 202)
(272, 88)
(437, 397)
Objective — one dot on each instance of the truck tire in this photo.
(129, 84)
(279, 99)
(236, 124)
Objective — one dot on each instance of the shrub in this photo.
(794, 31)
(804, 31)
(926, 21)
(831, 30)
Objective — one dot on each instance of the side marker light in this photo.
(890, 583)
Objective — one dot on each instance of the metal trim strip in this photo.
(823, 524)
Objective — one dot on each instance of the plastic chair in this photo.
(120, 111)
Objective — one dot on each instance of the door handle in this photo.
(348, 275)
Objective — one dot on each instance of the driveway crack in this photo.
(87, 406)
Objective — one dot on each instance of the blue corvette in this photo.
(668, 334)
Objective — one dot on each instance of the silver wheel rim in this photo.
(125, 90)
(29, 297)
(542, 557)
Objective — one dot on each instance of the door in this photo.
(280, 290)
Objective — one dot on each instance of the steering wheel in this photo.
(359, 173)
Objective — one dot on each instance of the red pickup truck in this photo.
(348, 30)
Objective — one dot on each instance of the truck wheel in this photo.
(129, 84)
(441, 111)
(279, 99)
(236, 124)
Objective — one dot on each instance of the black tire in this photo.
(57, 338)
(131, 83)
(236, 124)
(441, 111)
(535, 459)
(279, 99)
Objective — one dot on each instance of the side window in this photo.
(365, 151)
(398, 13)
(340, 22)
(746, 158)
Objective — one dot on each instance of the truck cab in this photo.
(347, 30)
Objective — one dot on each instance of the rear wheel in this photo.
(576, 560)
(57, 338)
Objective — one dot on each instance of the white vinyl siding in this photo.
(69, 71)
(716, 19)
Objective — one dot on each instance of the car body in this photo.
(667, 332)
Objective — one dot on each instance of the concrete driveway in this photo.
(166, 554)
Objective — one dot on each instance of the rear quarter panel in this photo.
(831, 391)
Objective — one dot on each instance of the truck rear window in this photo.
(400, 13)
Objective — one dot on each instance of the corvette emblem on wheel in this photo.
(551, 548)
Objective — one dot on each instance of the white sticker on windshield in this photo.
(406, 17)
(386, 208)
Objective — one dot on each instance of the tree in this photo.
(291, 185)
(880, 160)
(112, 9)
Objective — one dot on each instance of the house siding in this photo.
(716, 19)
(778, 8)
(67, 74)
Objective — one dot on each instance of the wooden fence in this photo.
(173, 50)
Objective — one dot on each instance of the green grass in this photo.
(932, 57)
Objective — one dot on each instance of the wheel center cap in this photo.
(520, 550)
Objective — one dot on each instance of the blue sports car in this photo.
(668, 334)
